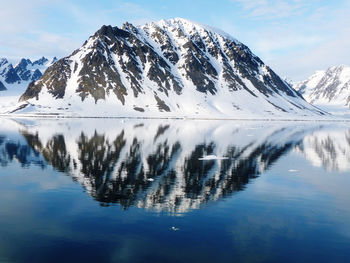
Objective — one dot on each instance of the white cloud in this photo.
(27, 31)
(296, 37)
(274, 9)
(333, 50)
(271, 45)
(38, 45)
(21, 33)
(299, 65)
(18, 16)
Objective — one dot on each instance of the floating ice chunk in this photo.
(293, 170)
(150, 179)
(212, 157)
(175, 228)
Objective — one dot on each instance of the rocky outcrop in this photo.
(59, 72)
(2, 86)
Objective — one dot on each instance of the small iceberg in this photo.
(212, 157)
(175, 228)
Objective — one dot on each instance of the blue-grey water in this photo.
(122, 190)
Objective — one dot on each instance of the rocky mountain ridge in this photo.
(331, 86)
(171, 68)
(24, 71)
(15, 76)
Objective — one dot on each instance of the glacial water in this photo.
(133, 190)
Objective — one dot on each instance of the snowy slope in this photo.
(328, 89)
(174, 68)
(16, 76)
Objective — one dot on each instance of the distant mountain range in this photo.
(329, 89)
(15, 77)
(174, 68)
(24, 71)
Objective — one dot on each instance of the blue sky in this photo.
(294, 37)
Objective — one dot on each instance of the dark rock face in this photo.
(41, 61)
(36, 75)
(161, 104)
(97, 84)
(31, 92)
(11, 75)
(163, 57)
(3, 61)
(21, 69)
(60, 72)
(2, 86)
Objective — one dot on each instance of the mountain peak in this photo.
(337, 67)
(171, 67)
(105, 30)
(330, 87)
(3, 61)
(40, 61)
(183, 22)
(189, 26)
(16, 78)
(23, 63)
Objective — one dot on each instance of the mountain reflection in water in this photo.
(157, 164)
(330, 149)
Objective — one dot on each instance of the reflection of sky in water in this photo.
(268, 202)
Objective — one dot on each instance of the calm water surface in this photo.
(99, 190)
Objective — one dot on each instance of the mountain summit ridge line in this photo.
(172, 68)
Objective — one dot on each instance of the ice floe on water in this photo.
(212, 157)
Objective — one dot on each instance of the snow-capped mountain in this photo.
(15, 77)
(327, 88)
(173, 68)
(23, 72)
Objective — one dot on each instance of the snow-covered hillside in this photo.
(16, 76)
(328, 89)
(174, 68)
